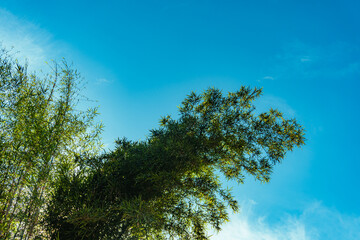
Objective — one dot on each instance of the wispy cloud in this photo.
(268, 78)
(27, 41)
(305, 59)
(315, 222)
(300, 60)
(103, 81)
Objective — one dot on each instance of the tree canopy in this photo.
(55, 184)
(41, 132)
(169, 185)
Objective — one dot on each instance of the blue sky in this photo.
(141, 58)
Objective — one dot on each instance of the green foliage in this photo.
(168, 186)
(41, 132)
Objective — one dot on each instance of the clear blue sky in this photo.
(141, 58)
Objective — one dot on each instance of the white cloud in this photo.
(331, 61)
(268, 78)
(305, 59)
(102, 81)
(27, 41)
(315, 222)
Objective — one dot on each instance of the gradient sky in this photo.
(141, 58)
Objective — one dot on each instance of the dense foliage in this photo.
(41, 132)
(54, 184)
(168, 186)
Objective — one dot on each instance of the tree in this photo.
(41, 132)
(169, 185)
